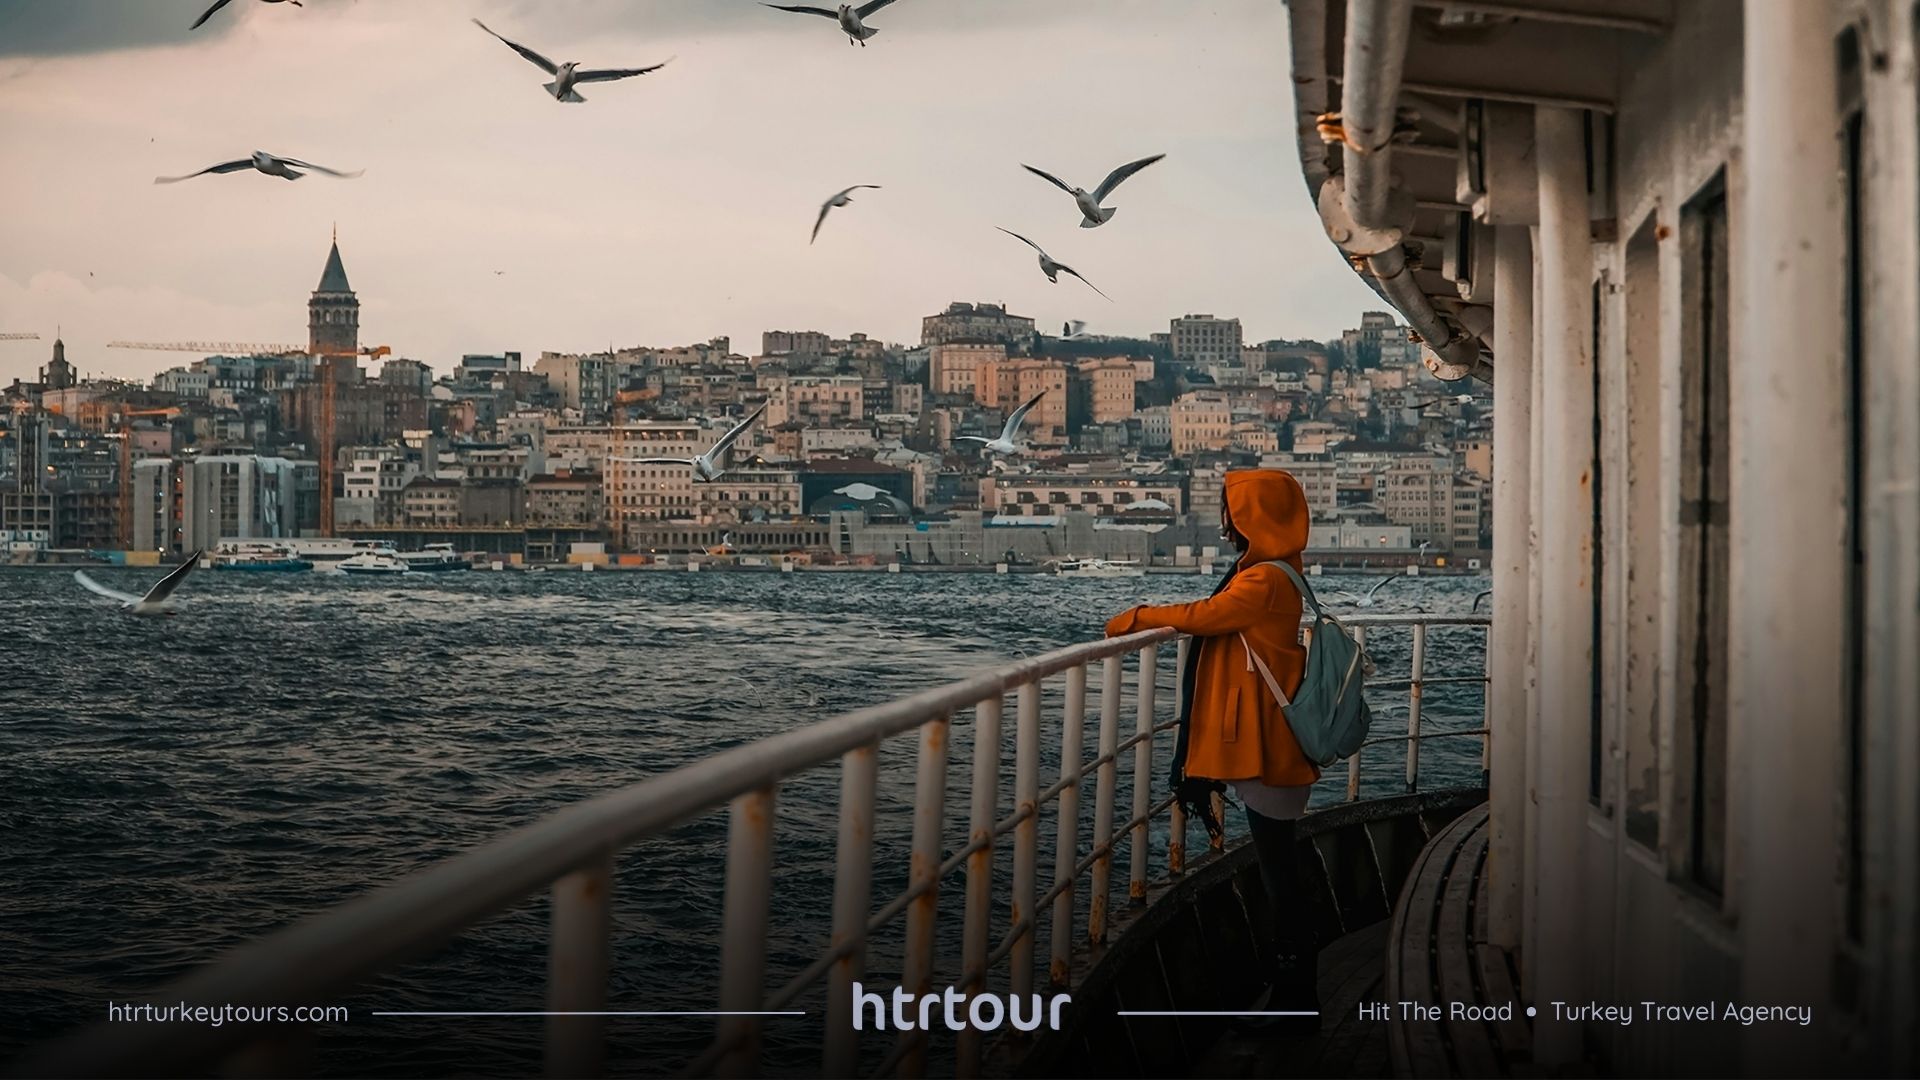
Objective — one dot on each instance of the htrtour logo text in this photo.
(955, 1010)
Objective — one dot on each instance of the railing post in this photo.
(579, 925)
(1353, 763)
(1066, 839)
(929, 803)
(1104, 777)
(1026, 839)
(743, 949)
(1177, 818)
(1414, 689)
(1143, 770)
(852, 903)
(978, 920)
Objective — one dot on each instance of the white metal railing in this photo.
(572, 854)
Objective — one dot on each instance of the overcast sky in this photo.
(668, 209)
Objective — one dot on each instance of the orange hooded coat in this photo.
(1236, 730)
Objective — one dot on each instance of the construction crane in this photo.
(210, 348)
(125, 418)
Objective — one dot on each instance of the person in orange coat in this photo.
(1232, 730)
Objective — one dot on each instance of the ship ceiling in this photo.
(1566, 53)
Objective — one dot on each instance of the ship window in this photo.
(1701, 705)
(1597, 706)
(1853, 145)
(1640, 718)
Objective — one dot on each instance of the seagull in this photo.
(1092, 214)
(158, 600)
(566, 75)
(710, 465)
(271, 164)
(1005, 444)
(1073, 328)
(848, 16)
(218, 4)
(1367, 600)
(1050, 267)
(841, 199)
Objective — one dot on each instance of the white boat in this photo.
(261, 558)
(374, 563)
(327, 553)
(1099, 568)
(435, 559)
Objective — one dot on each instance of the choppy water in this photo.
(170, 788)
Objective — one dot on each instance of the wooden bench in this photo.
(1437, 954)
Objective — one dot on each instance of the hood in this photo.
(1269, 508)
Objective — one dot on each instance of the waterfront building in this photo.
(1200, 420)
(1203, 339)
(1051, 493)
(236, 497)
(977, 323)
(952, 366)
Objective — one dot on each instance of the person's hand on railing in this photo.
(1122, 623)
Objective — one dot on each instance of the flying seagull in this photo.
(1073, 328)
(285, 168)
(158, 600)
(566, 75)
(710, 465)
(1092, 214)
(841, 199)
(848, 16)
(1051, 267)
(218, 4)
(1005, 444)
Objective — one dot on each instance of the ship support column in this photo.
(1507, 640)
(1786, 487)
(1567, 588)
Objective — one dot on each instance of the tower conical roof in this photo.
(334, 277)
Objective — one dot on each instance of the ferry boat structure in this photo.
(1106, 568)
(256, 558)
(434, 559)
(374, 564)
(324, 553)
(1683, 242)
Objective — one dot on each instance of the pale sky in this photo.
(667, 209)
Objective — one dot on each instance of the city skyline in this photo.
(666, 210)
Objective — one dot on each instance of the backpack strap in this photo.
(1266, 674)
(1299, 583)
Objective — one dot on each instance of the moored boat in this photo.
(1099, 568)
(435, 559)
(373, 563)
(257, 558)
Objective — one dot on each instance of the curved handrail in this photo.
(572, 851)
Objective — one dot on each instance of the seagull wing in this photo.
(652, 460)
(970, 438)
(208, 14)
(870, 7)
(821, 220)
(98, 589)
(610, 74)
(172, 581)
(726, 441)
(1049, 178)
(1019, 416)
(541, 62)
(1118, 175)
(1070, 270)
(223, 167)
(1024, 240)
(1376, 586)
(322, 168)
(804, 9)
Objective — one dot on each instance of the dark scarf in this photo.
(1195, 794)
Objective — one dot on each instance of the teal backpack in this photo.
(1329, 715)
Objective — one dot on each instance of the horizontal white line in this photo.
(1215, 1012)
(675, 1012)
